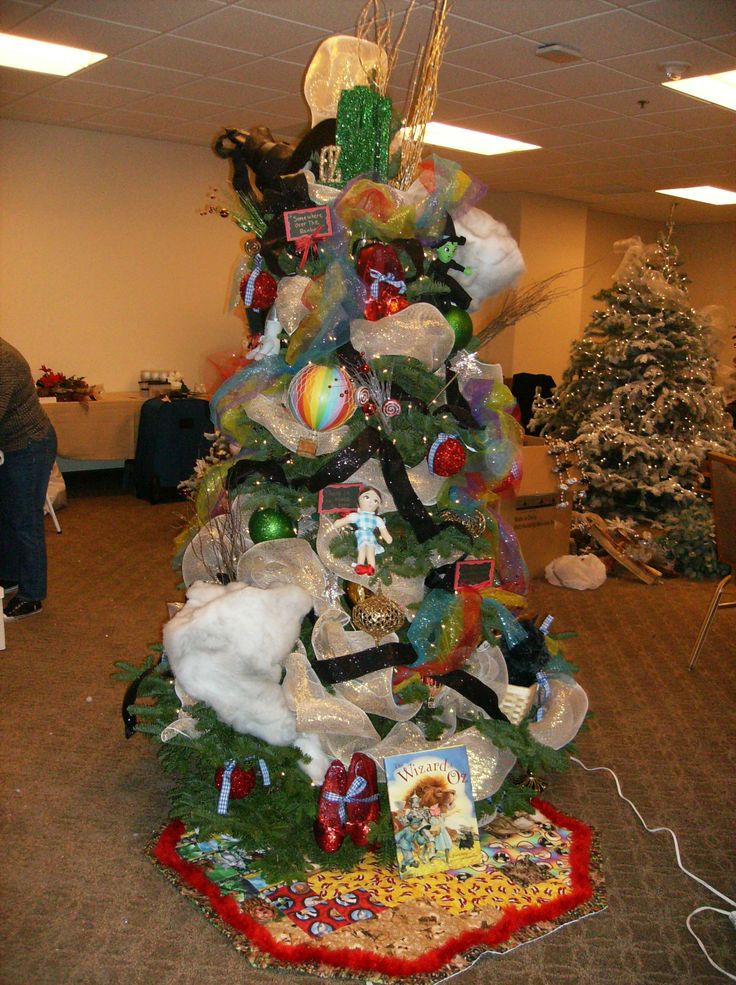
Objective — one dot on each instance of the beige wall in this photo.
(708, 254)
(106, 267)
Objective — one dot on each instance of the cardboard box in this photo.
(541, 522)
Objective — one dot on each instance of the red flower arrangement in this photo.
(52, 384)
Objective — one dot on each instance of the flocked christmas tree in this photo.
(362, 449)
(639, 398)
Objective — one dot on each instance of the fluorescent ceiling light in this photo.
(42, 56)
(702, 193)
(474, 141)
(719, 88)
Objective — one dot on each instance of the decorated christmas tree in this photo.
(639, 398)
(352, 591)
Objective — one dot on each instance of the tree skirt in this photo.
(538, 873)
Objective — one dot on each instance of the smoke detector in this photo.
(675, 71)
(562, 54)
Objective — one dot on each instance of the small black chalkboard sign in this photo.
(342, 498)
(474, 574)
(315, 223)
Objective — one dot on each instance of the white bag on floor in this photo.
(579, 571)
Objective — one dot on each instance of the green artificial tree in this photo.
(639, 399)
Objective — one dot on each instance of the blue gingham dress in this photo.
(365, 529)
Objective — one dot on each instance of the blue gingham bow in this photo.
(253, 277)
(227, 776)
(378, 278)
(224, 799)
(352, 796)
(544, 693)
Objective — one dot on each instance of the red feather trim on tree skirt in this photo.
(513, 919)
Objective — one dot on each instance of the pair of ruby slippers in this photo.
(364, 569)
(348, 803)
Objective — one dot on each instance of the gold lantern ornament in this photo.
(377, 616)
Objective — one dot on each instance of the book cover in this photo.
(432, 811)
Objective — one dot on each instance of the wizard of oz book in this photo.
(432, 811)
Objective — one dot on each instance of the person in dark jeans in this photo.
(28, 446)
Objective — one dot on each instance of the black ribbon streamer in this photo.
(355, 665)
(246, 467)
(129, 698)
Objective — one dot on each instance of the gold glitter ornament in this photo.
(533, 782)
(377, 616)
(473, 525)
(356, 593)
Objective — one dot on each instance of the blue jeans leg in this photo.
(24, 480)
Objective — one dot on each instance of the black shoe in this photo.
(19, 608)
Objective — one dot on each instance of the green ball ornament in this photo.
(462, 325)
(268, 524)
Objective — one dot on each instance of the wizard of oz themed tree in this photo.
(640, 403)
(353, 592)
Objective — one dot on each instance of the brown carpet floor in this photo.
(81, 905)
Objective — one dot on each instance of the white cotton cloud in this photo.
(227, 647)
(491, 252)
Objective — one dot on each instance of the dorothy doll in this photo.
(366, 522)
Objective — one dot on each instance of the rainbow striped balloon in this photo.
(322, 397)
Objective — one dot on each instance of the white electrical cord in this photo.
(731, 914)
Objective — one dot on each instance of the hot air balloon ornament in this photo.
(321, 398)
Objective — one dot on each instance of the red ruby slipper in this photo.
(329, 825)
(362, 805)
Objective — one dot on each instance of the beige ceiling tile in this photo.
(462, 32)
(223, 93)
(724, 136)
(579, 81)
(726, 42)
(46, 110)
(527, 15)
(451, 111)
(667, 141)
(455, 77)
(333, 18)
(703, 59)
(614, 33)
(505, 125)
(273, 73)
(507, 58)
(247, 30)
(13, 13)
(656, 99)
(695, 18)
(134, 75)
(89, 94)
(288, 108)
(565, 113)
(145, 122)
(556, 137)
(141, 13)
(618, 127)
(172, 106)
(83, 32)
(14, 80)
(183, 55)
(718, 157)
(694, 115)
(501, 96)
